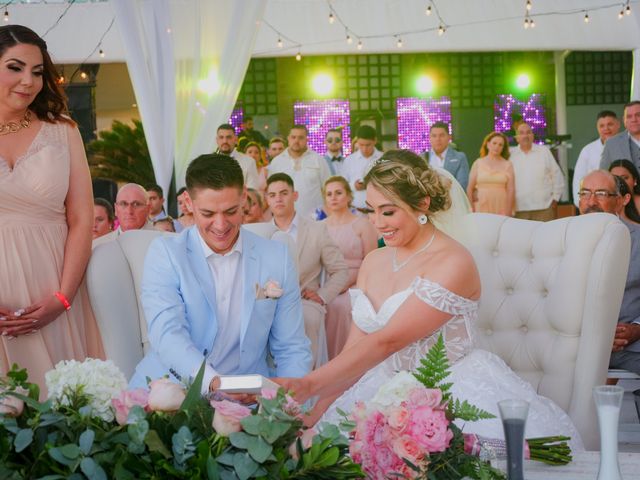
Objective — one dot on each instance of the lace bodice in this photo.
(457, 332)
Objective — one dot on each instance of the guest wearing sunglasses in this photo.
(333, 155)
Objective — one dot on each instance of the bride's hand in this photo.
(298, 388)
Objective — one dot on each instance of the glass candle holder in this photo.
(513, 413)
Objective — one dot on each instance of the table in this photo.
(583, 466)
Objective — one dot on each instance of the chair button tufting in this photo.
(509, 291)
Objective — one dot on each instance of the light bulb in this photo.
(280, 44)
(628, 10)
(586, 18)
(83, 75)
(331, 18)
(298, 56)
(440, 30)
(532, 24)
(621, 15)
(359, 45)
(101, 53)
(399, 43)
(6, 15)
(349, 39)
(428, 11)
(529, 5)
(61, 79)
(526, 23)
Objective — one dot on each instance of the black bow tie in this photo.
(336, 159)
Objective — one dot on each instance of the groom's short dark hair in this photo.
(215, 171)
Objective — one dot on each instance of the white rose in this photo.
(165, 396)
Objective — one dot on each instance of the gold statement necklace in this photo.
(13, 127)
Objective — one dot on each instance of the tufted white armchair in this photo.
(551, 295)
(113, 279)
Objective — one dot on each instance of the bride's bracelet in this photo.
(63, 300)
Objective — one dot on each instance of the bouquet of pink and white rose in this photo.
(407, 430)
(91, 427)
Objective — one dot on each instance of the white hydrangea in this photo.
(396, 390)
(100, 380)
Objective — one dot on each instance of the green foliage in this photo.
(121, 154)
(50, 443)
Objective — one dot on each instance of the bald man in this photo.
(132, 210)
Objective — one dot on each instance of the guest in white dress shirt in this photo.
(358, 163)
(227, 140)
(307, 168)
(539, 180)
(608, 125)
(333, 155)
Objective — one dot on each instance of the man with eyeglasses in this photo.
(132, 210)
(333, 156)
(599, 192)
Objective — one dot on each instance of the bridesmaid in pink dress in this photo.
(356, 237)
(46, 216)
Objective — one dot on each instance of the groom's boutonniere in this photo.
(271, 289)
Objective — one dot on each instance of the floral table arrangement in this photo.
(407, 430)
(91, 427)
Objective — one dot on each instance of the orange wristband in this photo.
(63, 300)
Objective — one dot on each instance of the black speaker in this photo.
(105, 188)
(81, 102)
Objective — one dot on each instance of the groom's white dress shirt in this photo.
(225, 354)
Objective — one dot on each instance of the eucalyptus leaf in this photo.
(259, 449)
(240, 440)
(86, 441)
(272, 431)
(59, 457)
(23, 439)
(251, 424)
(92, 470)
(70, 450)
(155, 444)
(244, 465)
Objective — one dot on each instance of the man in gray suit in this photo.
(441, 155)
(625, 145)
(600, 192)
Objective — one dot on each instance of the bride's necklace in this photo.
(13, 127)
(397, 266)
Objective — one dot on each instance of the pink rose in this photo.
(11, 406)
(429, 397)
(127, 399)
(306, 437)
(430, 428)
(407, 447)
(272, 289)
(227, 416)
(291, 407)
(269, 393)
(165, 396)
(397, 417)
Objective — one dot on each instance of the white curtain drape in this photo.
(187, 60)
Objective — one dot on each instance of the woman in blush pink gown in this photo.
(356, 237)
(46, 216)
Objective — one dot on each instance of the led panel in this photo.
(236, 119)
(320, 116)
(415, 117)
(507, 108)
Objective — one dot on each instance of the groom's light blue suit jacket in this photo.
(179, 301)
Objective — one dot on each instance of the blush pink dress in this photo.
(338, 319)
(33, 231)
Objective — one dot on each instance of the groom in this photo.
(220, 293)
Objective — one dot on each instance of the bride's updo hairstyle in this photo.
(406, 178)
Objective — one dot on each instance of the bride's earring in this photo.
(423, 219)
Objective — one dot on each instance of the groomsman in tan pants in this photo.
(316, 252)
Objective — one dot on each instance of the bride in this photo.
(423, 284)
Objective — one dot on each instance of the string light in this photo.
(628, 9)
(532, 24)
(6, 15)
(101, 53)
(83, 75)
(428, 11)
(280, 44)
(298, 56)
(332, 18)
(349, 39)
(529, 6)
(526, 22)
(399, 42)
(359, 45)
(168, 29)
(441, 30)
(621, 15)
(586, 17)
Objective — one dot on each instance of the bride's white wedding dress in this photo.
(478, 376)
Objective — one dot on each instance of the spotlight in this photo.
(424, 85)
(523, 81)
(210, 84)
(322, 84)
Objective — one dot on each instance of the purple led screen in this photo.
(415, 117)
(532, 111)
(320, 116)
(236, 119)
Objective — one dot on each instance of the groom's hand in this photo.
(313, 296)
(244, 398)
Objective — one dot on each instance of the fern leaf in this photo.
(434, 367)
(470, 413)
